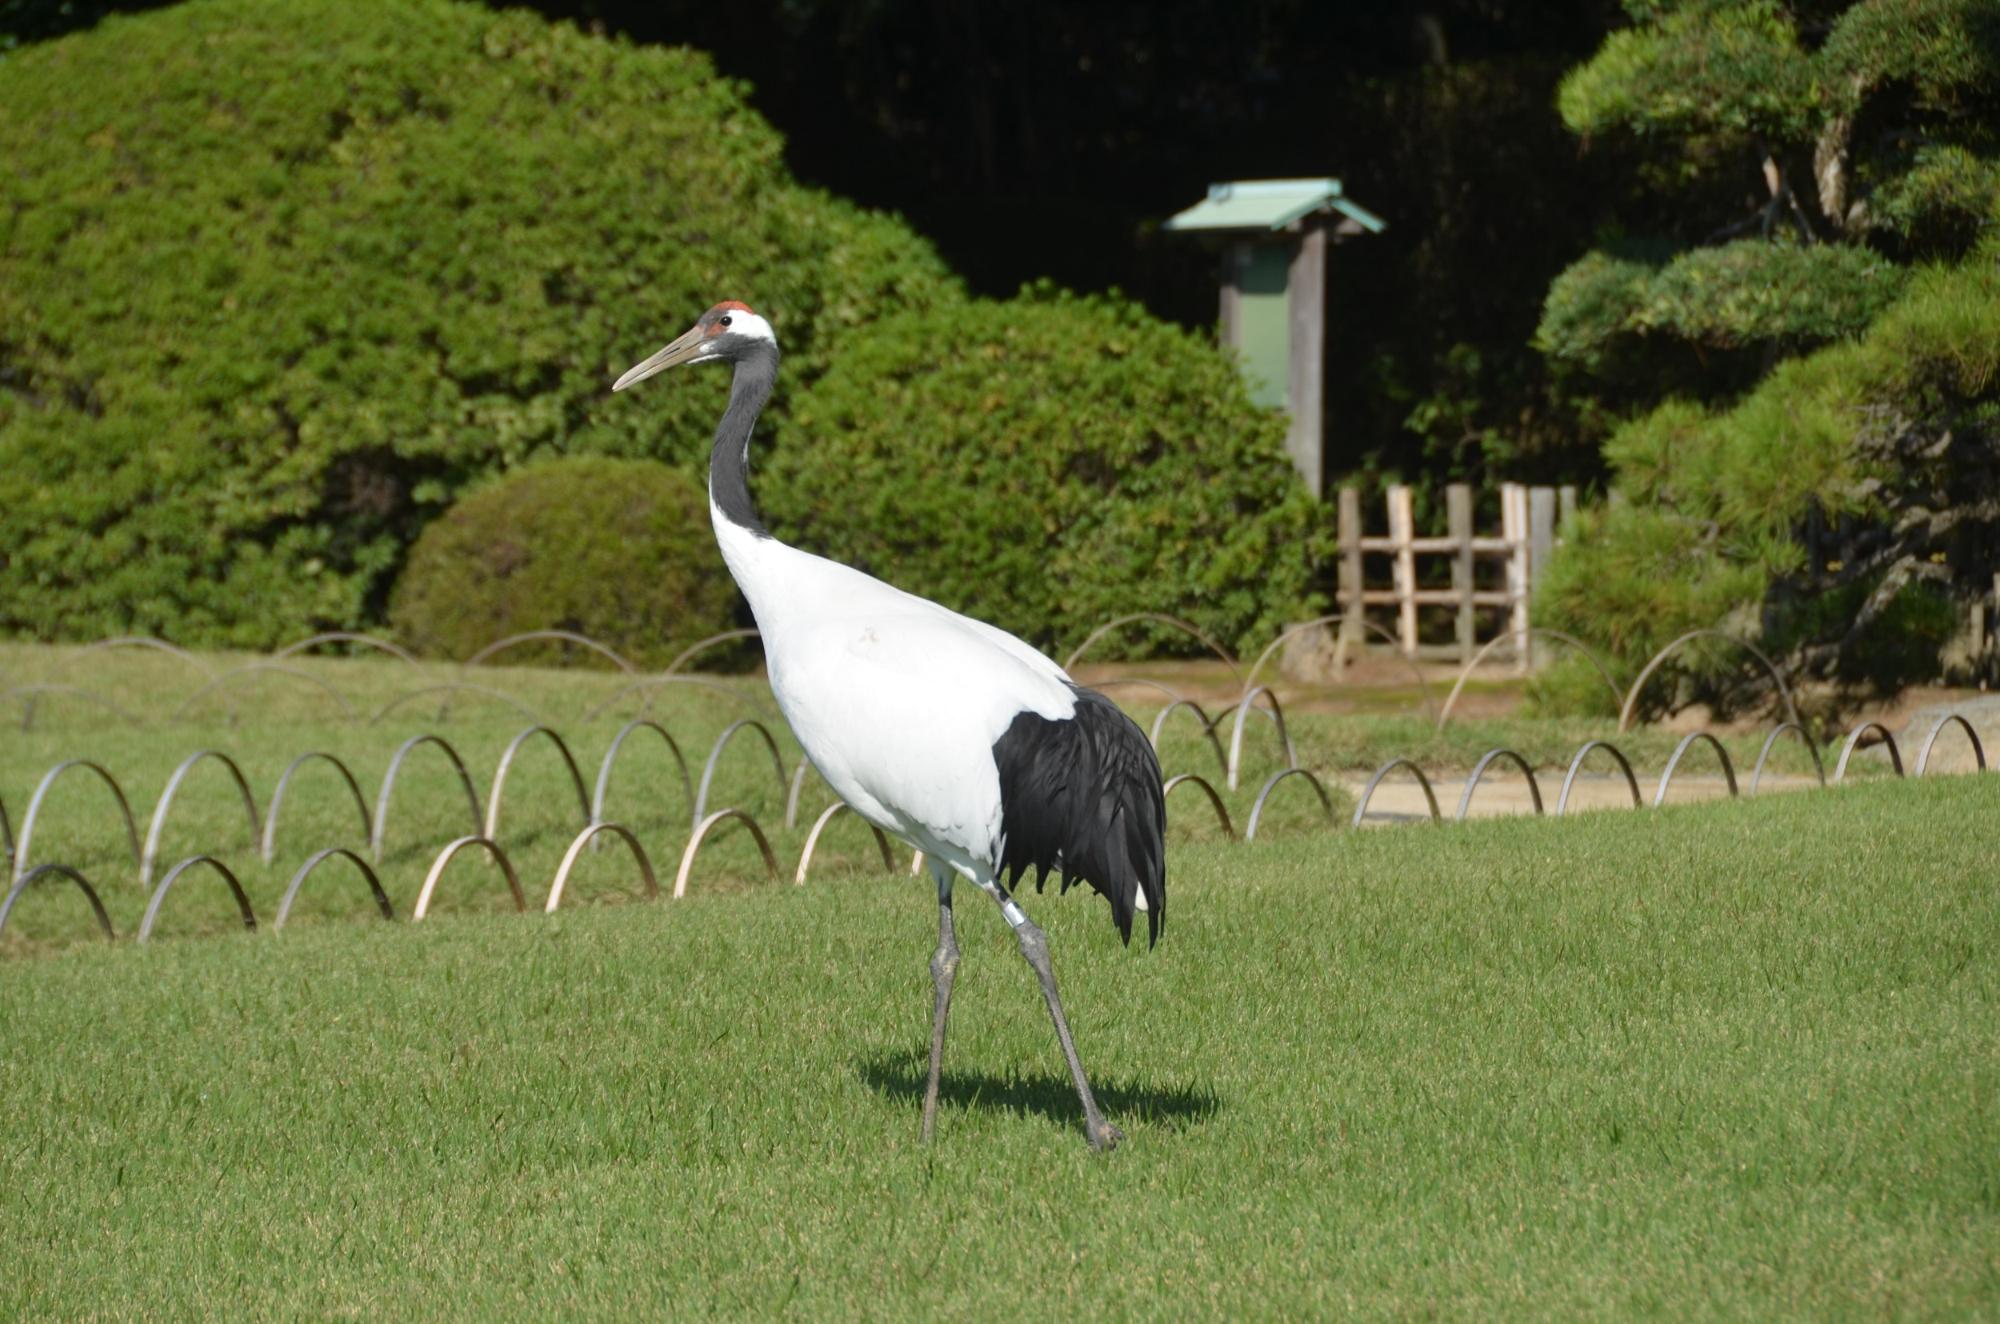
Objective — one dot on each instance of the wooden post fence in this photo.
(1527, 537)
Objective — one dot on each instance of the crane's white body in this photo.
(896, 700)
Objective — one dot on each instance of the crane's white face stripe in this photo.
(743, 322)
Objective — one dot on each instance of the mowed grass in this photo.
(1727, 1059)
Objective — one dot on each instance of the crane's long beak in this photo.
(688, 348)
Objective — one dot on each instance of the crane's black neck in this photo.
(729, 461)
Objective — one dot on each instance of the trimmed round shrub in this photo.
(1047, 463)
(619, 550)
(280, 278)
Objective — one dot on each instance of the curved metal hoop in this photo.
(450, 688)
(1924, 751)
(703, 645)
(611, 758)
(799, 771)
(1854, 738)
(701, 831)
(173, 874)
(1576, 766)
(389, 784)
(1242, 707)
(166, 800)
(1757, 773)
(1667, 773)
(42, 790)
(1368, 791)
(269, 844)
(34, 693)
(1646, 672)
(22, 883)
(1395, 644)
(1479, 771)
(380, 645)
(1472, 664)
(583, 838)
(819, 825)
(1157, 618)
(7, 836)
(1207, 728)
(319, 858)
(444, 857)
(1257, 809)
(122, 641)
(553, 636)
(259, 668)
(1126, 682)
(506, 765)
(1221, 810)
(715, 753)
(655, 682)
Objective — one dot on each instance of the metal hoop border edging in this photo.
(1576, 766)
(1854, 738)
(448, 689)
(318, 858)
(261, 669)
(1924, 751)
(1673, 763)
(1395, 645)
(1368, 792)
(48, 780)
(450, 852)
(701, 831)
(1646, 672)
(583, 838)
(1187, 628)
(1214, 798)
(389, 784)
(1770, 743)
(268, 844)
(1200, 715)
(1465, 672)
(1479, 772)
(1242, 709)
(1257, 809)
(603, 784)
(173, 875)
(506, 764)
(826, 816)
(22, 883)
(158, 822)
(549, 636)
(715, 756)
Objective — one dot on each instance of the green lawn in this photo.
(1732, 1059)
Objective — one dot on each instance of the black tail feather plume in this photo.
(1082, 796)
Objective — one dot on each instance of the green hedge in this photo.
(279, 278)
(619, 550)
(1048, 463)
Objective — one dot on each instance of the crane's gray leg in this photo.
(1035, 947)
(944, 968)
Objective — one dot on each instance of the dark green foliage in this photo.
(1783, 295)
(619, 550)
(1047, 464)
(1706, 66)
(293, 274)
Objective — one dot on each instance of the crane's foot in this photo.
(1104, 1137)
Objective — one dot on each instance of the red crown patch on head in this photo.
(734, 305)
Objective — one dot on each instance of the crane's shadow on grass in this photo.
(902, 1075)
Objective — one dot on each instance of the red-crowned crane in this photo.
(950, 733)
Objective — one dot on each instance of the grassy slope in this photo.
(1730, 1058)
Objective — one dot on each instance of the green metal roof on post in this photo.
(1274, 291)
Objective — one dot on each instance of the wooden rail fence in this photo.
(1529, 517)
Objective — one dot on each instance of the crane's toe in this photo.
(1104, 1137)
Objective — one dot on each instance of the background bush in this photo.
(1048, 463)
(619, 550)
(278, 280)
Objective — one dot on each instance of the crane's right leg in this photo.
(944, 968)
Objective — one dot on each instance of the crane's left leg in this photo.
(1035, 947)
(944, 968)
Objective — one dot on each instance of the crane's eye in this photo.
(725, 319)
